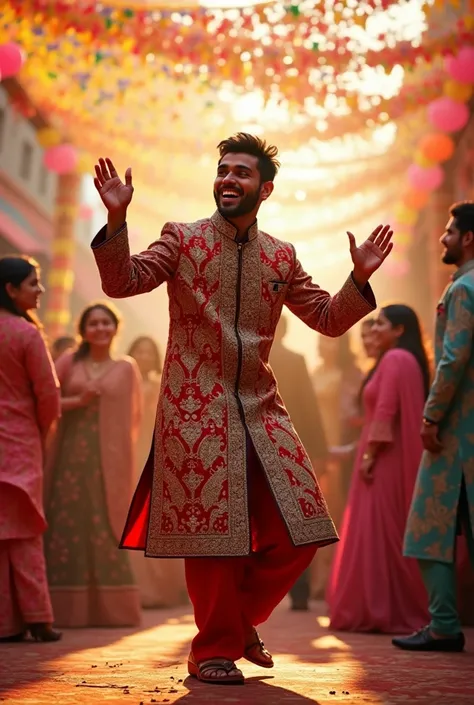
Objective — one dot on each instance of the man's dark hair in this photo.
(243, 143)
(463, 213)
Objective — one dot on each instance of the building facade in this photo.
(27, 188)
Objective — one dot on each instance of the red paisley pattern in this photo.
(225, 302)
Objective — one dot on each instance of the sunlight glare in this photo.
(330, 642)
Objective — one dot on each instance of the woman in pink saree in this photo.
(29, 404)
(372, 587)
(89, 480)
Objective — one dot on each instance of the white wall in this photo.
(17, 134)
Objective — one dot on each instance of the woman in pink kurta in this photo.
(29, 404)
(373, 588)
(160, 580)
(89, 480)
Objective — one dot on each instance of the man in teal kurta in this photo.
(443, 500)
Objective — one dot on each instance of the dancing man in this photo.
(228, 484)
(443, 501)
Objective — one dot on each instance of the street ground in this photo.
(313, 665)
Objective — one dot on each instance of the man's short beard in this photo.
(451, 257)
(247, 204)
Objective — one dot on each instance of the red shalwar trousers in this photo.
(24, 594)
(232, 594)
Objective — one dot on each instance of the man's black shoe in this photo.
(423, 641)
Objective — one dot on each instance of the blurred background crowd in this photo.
(371, 106)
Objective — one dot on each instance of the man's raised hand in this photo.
(368, 257)
(115, 194)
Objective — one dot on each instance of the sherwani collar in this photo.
(229, 230)
(467, 267)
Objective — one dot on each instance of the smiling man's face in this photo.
(238, 187)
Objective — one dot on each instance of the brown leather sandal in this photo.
(208, 671)
(256, 653)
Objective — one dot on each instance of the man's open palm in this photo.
(115, 194)
(368, 257)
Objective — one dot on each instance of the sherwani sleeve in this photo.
(124, 275)
(388, 401)
(326, 314)
(44, 382)
(457, 350)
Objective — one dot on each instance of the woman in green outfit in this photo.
(89, 480)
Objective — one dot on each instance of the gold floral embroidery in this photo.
(199, 496)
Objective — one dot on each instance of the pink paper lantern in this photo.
(62, 159)
(461, 66)
(447, 115)
(11, 59)
(425, 179)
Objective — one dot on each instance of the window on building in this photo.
(43, 180)
(26, 160)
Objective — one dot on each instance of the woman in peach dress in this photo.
(29, 404)
(161, 580)
(90, 477)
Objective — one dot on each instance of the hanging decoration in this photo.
(168, 80)
(425, 179)
(11, 59)
(90, 90)
(48, 137)
(461, 66)
(447, 114)
(307, 48)
(61, 273)
(61, 158)
(309, 33)
(436, 147)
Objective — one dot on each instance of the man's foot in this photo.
(255, 651)
(424, 640)
(221, 671)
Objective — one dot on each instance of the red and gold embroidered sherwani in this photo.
(225, 299)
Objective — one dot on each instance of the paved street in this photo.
(312, 666)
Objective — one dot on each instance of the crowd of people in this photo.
(77, 428)
(358, 417)
(351, 407)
